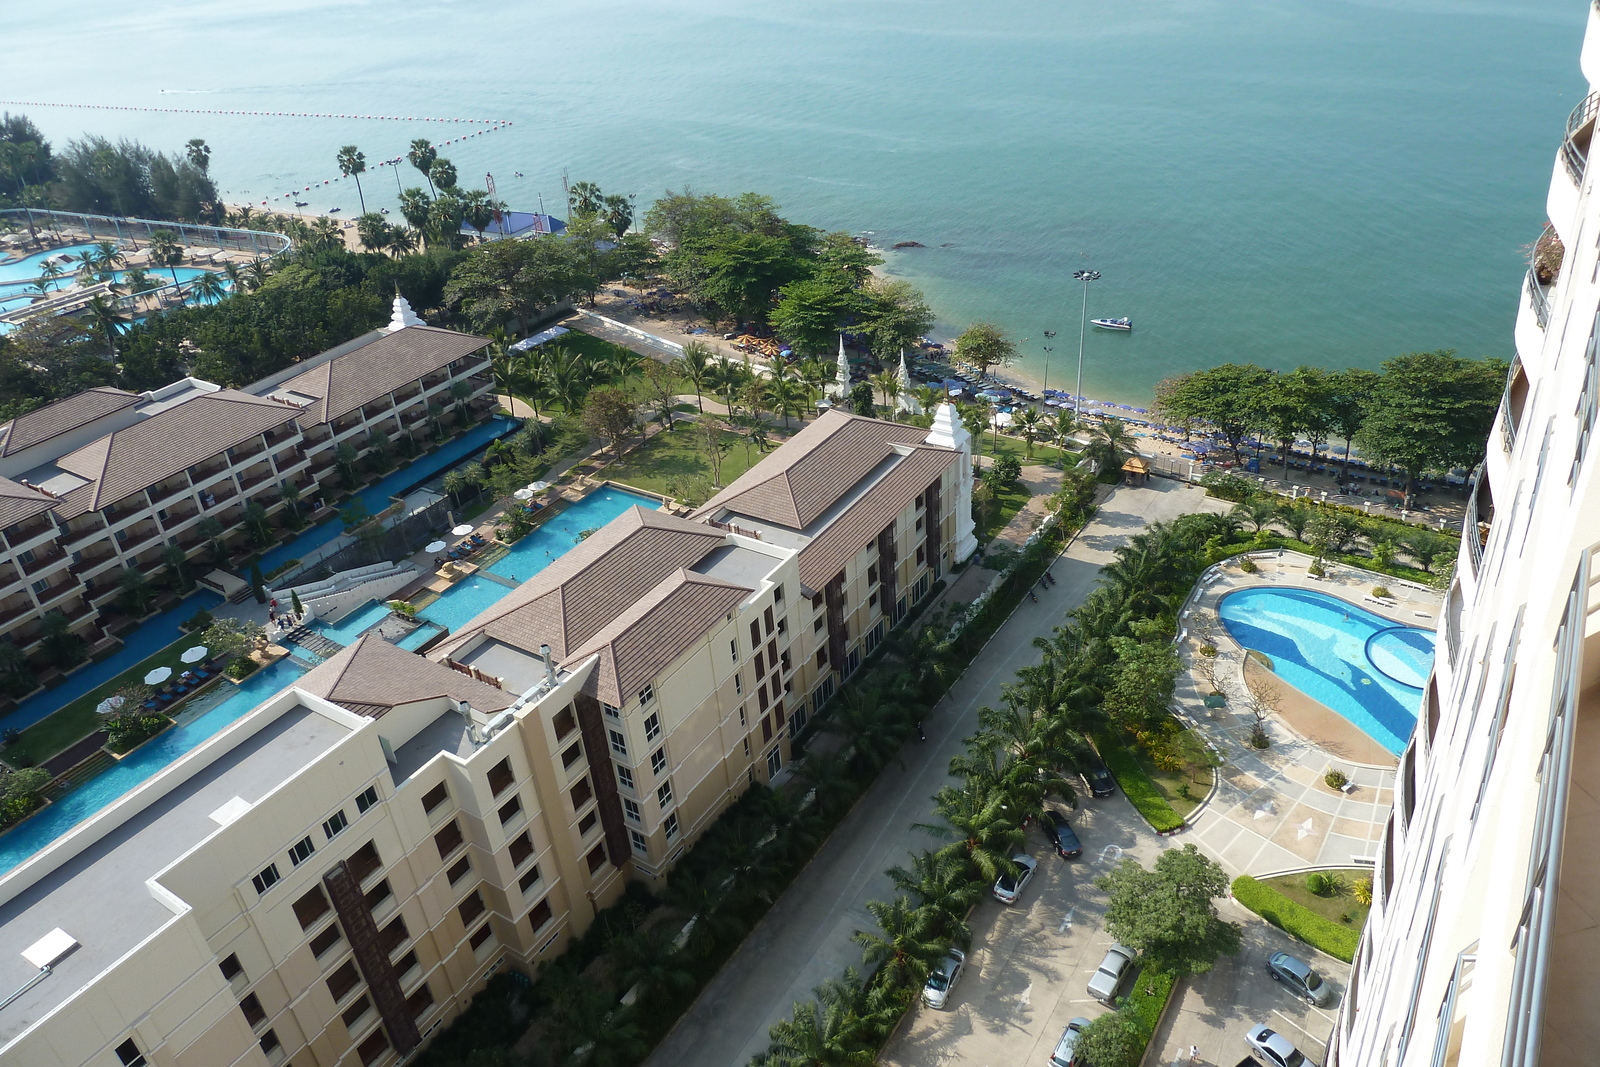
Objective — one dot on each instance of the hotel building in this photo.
(1483, 945)
(335, 874)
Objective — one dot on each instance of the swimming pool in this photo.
(1363, 666)
(540, 548)
(232, 704)
(27, 268)
(353, 625)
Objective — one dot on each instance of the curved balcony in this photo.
(1580, 132)
(1544, 267)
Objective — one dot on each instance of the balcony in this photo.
(9, 575)
(137, 537)
(89, 563)
(178, 516)
(55, 592)
(78, 609)
(375, 410)
(249, 450)
(410, 392)
(41, 560)
(218, 497)
(1544, 266)
(23, 532)
(346, 424)
(1479, 520)
(124, 510)
(200, 475)
(158, 493)
(16, 610)
(72, 535)
(322, 462)
(317, 435)
(280, 435)
(433, 381)
(249, 481)
(1580, 132)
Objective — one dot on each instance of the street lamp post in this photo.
(1049, 335)
(1084, 276)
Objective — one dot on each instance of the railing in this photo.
(239, 453)
(115, 515)
(77, 611)
(72, 537)
(88, 563)
(41, 560)
(1471, 536)
(56, 592)
(200, 474)
(220, 496)
(278, 436)
(158, 494)
(1539, 292)
(176, 519)
(1508, 413)
(8, 614)
(27, 531)
(134, 539)
(9, 576)
(249, 482)
(1580, 131)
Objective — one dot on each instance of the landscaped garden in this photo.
(1324, 909)
(675, 463)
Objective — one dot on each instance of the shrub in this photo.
(1335, 779)
(242, 667)
(402, 607)
(1140, 790)
(1208, 651)
(1225, 486)
(1382, 591)
(199, 621)
(126, 731)
(1362, 891)
(1248, 565)
(1295, 919)
(1258, 736)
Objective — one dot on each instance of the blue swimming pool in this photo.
(1361, 665)
(353, 625)
(27, 268)
(462, 601)
(232, 703)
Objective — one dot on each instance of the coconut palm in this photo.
(89, 270)
(827, 1031)
(477, 210)
(979, 827)
(584, 198)
(815, 375)
(291, 497)
(786, 396)
(695, 367)
(569, 375)
(108, 320)
(135, 590)
(1030, 426)
(886, 382)
(49, 273)
(867, 720)
(165, 251)
(421, 155)
(352, 163)
(414, 208)
(906, 945)
(1110, 444)
(373, 232)
(257, 273)
(402, 239)
(650, 961)
(109, 256)
(941, 884)
(174, 559)
(211, 529)
(208, 287)
(1258, 511)
(442, 175)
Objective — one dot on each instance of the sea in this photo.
(1279, 181)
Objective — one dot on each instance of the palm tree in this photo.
(211, 529)
(941, 884)
(257, 273)
(174, 559)
(165, 251)
(49, 272)
(786, 396)
(886, 382)
(89, 268)
(815, 375)
(291, 496)
(442, 175)
(136, 592)
(619, 364)
(14, 665)
(828, 1031)
(373, 232)
(255, 520)
(421, 155)
(568, 374)
(109, 256)
(1259, 511)
(477, 210)
(402, 239)
(344, 457)
(208, 287)
(979, 827)
(695, 367)
(584, 198)
(652, 962)
(352, 162)
(728, 380)
(1030, 426)
(109, 320)
(866, 720)
(907, 944)
(414, 208)
(1062, 428)
(1110, 445)
(455, 483)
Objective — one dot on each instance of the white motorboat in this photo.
(1112, 324)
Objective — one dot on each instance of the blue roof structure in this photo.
(520, 224)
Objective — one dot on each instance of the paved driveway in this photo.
(805, 938)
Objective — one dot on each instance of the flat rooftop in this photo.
(737, 564)
(447, 733)
(99, 896)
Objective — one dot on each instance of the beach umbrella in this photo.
(462, 530)
(157, 676)
(1002, 418)
(195, 654)
(540, 486)
(434, 546)
(523, 494)
(110, 704)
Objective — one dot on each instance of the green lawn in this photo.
(676, 457)
(1335, 936)
(1335, 908)
(1195, 773)
(1137, 786)
(78, 719)
(1007, 503)
(1042, 453)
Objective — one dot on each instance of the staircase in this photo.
(314, 642)
(82, 772)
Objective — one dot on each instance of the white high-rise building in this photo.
(1484, 942)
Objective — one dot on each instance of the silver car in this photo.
(1301, 977)
(1108, 977)
(943, 978)
(1007, 888)
(1067, 1047)
(1273, 1047)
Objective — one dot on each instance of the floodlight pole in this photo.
(1084, 276)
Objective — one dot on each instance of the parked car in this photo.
(1111, 973)
(1061, 834)
(1098, 778)
(1007, 888)
(1273, 1047)
(1067, 1047)
(943, 978)
(1301, 977)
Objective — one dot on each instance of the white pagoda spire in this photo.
(840, 390)
(950, 432)
(402, 316)
(906, 401)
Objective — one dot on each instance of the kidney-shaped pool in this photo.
(1363, 666)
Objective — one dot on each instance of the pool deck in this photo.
(1271, 811)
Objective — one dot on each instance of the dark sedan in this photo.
(1061, 835)
(1099, 779)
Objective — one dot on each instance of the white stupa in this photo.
(840, 389)
(906, 400)
(950, 432)
(402, 316)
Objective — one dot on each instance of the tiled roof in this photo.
(41, 424)
(593, 583)
(18, 502)
(372, 677)
(173, 440)
(379, 367)
(813, 470)
(655, 631)
(826, 553)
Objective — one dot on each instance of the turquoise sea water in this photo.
(1275, 181)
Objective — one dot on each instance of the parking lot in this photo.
(1030, 963)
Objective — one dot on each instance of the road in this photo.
(805, 938)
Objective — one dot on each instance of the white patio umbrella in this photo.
(539, 487)
(157, 676)
(110, 704)
(1002, 418)
(195, 654)
(433, 546)
(523, 494)
(462, 530)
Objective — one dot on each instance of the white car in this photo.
(943, 978)
(1067, 1047)
(1273, 1047)
(1111, 973)
(1007, 888)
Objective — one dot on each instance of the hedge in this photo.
(1140, 790)
(1149, 997)
(1295, 919)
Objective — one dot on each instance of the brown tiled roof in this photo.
(813, 470)
(379, 367)
(18, 502)
(655, 631)
(826, 553)
(593, 583)
(166, 443)
(41, 424)
(372, 677)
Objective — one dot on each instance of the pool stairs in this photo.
(314, 642)
(333, 598)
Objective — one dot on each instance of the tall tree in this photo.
(165, 251)
(896, 315)
(421, 155)
(352, 163)
(610, 412)
(1228, 397)
(1169, 913)
(695, 367)
(985, 345)
(1349, 394)
(1431, 411)
(811, 311)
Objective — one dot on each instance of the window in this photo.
(777, 594)
(311, 907)
(364, 863)
(41, 586)
(738, 683)
(479, 936)
(755, 632)
(652, 727)
(619, 743)
(380, 893)
(270, 1042)
(367, 799)
(921, 551)
(872, 574)
(563, 722)
(596, 858)
(612, 711)
(325, 940)
(521, 848)
(529, 879)
(266, 879)
(353, 1014)
(671, 826)
(448, 840)
(129, 1054)
(818, 623)
(394, 935)
(658, 761)
(301, 851)
(761, 664)
(343, 981)
(373, 1047)
(500, 777)
(742, 716)
(767, 615)
(335, 824)
(581, 794)
(539, 914)
(625, 776)
(647, 694)
(783, 625)
(404, 964)
(571, 756)
(630, 808)
(664, 795)
(511, 808)
(766, 729)
(747, 748)
(586, 823)
(254, 1013)
(462, 868)
(231, 967)
(471, 908)
(434, 797)
(420, 1001)
(733, 649)
(774, 761)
